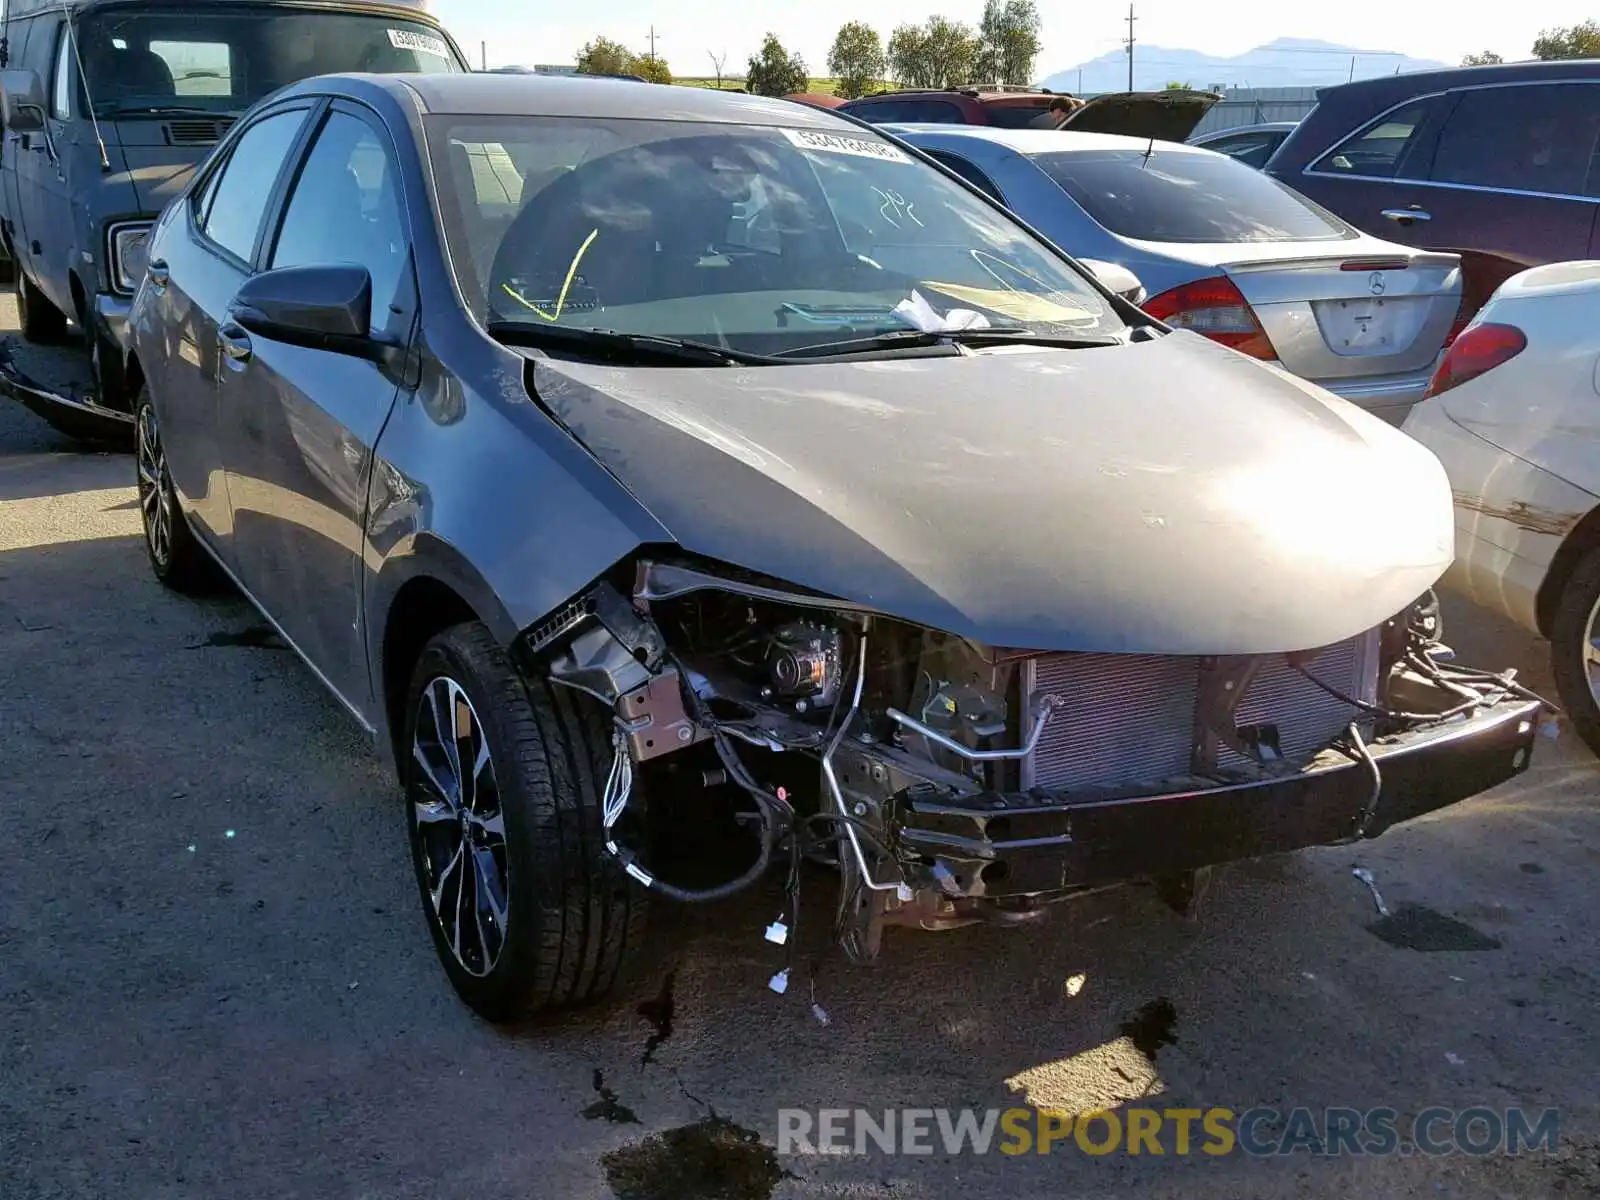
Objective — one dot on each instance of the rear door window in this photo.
(239, 198)
(1530, 139)
(1380, 150)
(1187, 196)
(968, 171)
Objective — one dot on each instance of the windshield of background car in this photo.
(1186, 196)
(223, 58)
(756, 239)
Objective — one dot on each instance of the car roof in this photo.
(1416, 83)
(485, 94)
(1033, 141)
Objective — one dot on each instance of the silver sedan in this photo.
(1226, 251)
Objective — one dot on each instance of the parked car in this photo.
(108, 106)
(741, 449)
(1226, 251)
(1493, 163)
(1514, 416)
(1170, 114)
(1252, 145)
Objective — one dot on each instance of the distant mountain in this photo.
(1286, 62)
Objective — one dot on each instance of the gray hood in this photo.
(1169, 497)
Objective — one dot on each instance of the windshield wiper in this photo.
(110, 111)
(643, 346)
(912, 338)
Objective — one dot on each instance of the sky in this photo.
(688, 32)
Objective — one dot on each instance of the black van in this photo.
(109, 105)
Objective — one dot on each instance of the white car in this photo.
(1513, 413)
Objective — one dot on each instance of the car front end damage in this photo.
(952, 782)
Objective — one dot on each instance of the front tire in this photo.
(175, 555)
(528, 913)
(42, 323)
(1575, 648)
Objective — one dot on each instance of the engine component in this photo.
(803, 664)
(964, 712)
(597, 663)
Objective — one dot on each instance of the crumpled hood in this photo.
(1166, 497)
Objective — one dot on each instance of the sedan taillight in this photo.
(1216, 309)
(1479, 349)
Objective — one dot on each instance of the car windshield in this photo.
(223, 58)
(755, 239)
(1187, 196)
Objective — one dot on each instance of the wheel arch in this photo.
(430, 589)
(1584, 537)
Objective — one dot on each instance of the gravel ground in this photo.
(215, 979)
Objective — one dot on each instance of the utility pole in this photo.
(483, 54)
(652, 41)
(1352, 69)
(1131, 20)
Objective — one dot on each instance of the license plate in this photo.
(1371, 325)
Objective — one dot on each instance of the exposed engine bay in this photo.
(951, 782)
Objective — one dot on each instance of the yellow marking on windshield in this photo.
(561, 300)
(1010, 302)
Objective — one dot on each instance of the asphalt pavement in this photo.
(215, 979)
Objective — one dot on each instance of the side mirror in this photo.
(322, 308)
(22, 104)
(1117, 278)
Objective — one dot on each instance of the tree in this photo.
(605, 57)
(1578, 41)
(776, 72)
(938, 54)
(1008, 39)
(652, 67)
(718, 62)
(1180, 87)
(1487, 59)
(856, 59)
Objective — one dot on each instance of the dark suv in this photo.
(1494, 163)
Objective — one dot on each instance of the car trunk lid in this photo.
(1170, 115)
(1342, 309)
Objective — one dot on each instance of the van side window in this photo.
(62, 105)
(1378, 150)
(1531, 139)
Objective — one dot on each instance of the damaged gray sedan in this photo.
(600, 460)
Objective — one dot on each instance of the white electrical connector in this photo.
(780, 982)
(778, 932)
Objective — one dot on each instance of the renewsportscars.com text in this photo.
(1258, 1132)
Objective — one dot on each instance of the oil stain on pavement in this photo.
(608, 1107)
(257, 637)
(1152, 1027)
(713, 1159)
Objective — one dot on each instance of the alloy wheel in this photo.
(458, 826)
(1591, 651)
(155, 488)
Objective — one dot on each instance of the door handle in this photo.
(160, 274)
(235, 344)
(1405, 215)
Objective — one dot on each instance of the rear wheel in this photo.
(1575, 648)
(176, 557)
(503, 781)
(42, 322)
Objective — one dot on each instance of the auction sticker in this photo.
(405, 39)
(833, 143)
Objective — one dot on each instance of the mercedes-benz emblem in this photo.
(1376, 283)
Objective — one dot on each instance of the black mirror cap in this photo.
(323, 306)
